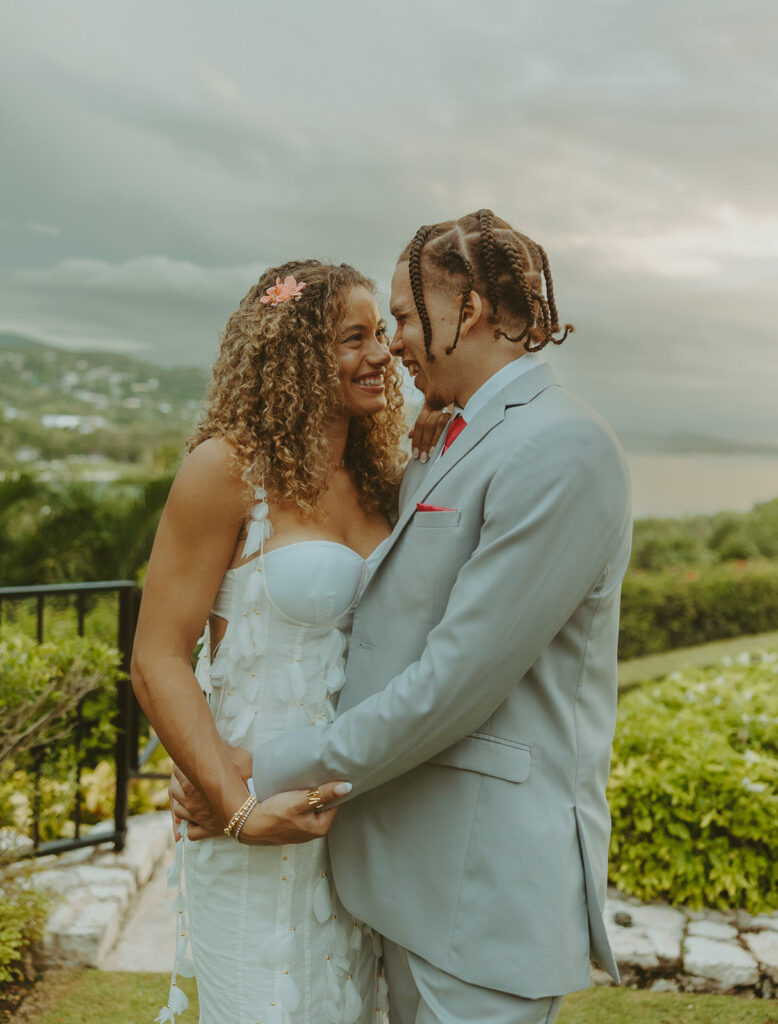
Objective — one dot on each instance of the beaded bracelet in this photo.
(242, 822)
(247, 804)
(242, 819)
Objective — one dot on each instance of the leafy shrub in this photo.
(659, 544)
(40, 688)
(23, 914)
(74, 531)
(732, 539)
(694, 788)
(98, 787)
(696, 541)
(61, 617)
(42, 684)
(664, 611)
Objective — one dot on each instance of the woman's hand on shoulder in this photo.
(426, 431)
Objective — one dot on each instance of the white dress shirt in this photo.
(497, 382)
(494, 384)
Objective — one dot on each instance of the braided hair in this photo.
(480, 251)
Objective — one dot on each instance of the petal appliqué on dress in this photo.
(176, 999)
(290, 994)
(322, 901)
(352, 1003)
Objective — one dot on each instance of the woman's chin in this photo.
(368, 406)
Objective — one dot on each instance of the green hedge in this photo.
(693, 790)
(667, 610)
(40, 686)
(693, 541)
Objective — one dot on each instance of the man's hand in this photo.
(289, 818)
(426, 430)
(281, 819)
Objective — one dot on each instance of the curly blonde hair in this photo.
(275, 385)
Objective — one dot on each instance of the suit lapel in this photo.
(519, 392)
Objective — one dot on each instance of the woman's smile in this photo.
(373, 383)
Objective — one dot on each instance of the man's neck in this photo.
(485, 372)
(498, 380)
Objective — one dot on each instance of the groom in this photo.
(476, 721)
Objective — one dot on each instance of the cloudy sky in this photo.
(157, 155)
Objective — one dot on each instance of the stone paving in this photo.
(98, 900)
(677, 950)
(148, 940)
(115, 913)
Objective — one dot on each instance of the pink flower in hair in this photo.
(290, 289)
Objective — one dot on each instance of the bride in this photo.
(267, 535)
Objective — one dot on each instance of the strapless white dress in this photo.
(261, 927)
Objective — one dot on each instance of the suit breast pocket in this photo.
(436, 520)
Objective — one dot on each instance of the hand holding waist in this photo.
(284, 818)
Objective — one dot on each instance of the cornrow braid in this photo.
(488, 243)
(465, 291)
(516, 266)
(414, 267)
(551, 300)
(483, 252)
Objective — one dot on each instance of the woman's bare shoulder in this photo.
(211, 474)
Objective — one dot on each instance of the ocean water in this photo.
(676, 485)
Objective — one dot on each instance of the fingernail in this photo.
(415, 453)
(423, 457)
(343, 788)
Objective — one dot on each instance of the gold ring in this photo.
(315, 800)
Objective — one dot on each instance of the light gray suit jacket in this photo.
(479, 707)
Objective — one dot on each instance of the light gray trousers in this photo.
(422, 994)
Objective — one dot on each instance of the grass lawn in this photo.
(623, 1006)
(655, 666)
(103, 997)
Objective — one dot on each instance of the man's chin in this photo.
(431, 400)
(435, 402)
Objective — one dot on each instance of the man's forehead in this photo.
(401, 293)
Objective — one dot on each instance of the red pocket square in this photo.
(421, 507)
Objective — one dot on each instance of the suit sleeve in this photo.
(554, 514)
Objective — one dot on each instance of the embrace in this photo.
(392, 754)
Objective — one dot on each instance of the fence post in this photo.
(127, 606)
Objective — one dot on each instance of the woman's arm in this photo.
(193, 548)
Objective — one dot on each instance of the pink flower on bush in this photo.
(290, 289)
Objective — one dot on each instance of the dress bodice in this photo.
(310, 582)
(302, 595)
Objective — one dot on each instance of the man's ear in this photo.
(472, 312)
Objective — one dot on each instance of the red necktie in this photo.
(455, 428)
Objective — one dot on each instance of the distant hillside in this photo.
(694, 444)
(56, 404)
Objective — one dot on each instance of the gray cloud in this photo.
(157, 156)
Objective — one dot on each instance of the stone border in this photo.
(95, 889)
(667, 949)
(662, 948)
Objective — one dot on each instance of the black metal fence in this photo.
(129, 759)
